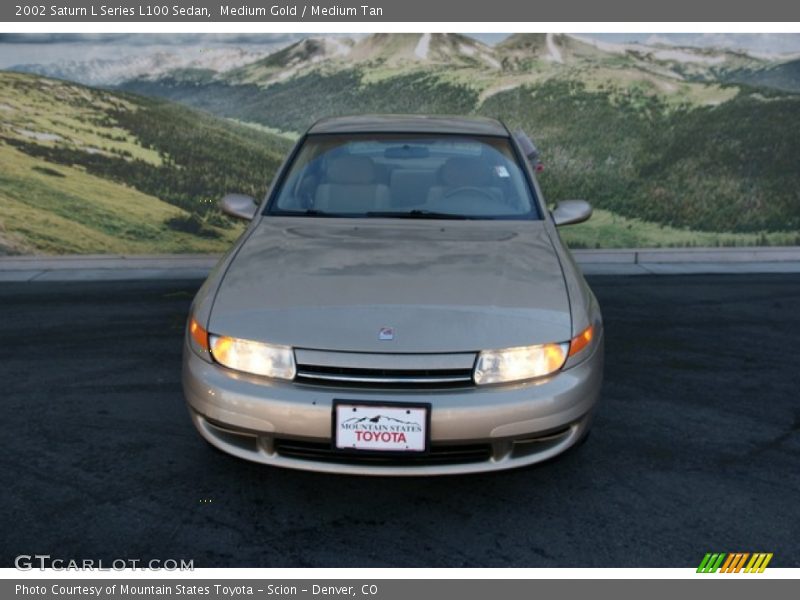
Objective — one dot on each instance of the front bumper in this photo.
(474, 429)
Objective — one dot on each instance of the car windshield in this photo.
(405, 176)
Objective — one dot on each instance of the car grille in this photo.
(384, 370)
(438, 455)
(383, 377)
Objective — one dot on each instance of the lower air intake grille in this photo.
(438, 455)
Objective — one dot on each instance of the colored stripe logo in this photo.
(734, 562)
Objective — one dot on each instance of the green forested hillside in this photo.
(294, 104)
(731, 165)
(784, 76)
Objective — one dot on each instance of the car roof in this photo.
(410, 124)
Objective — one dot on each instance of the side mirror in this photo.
(529, 149)
(568, 212)
(239, 206)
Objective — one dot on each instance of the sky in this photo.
(758, 43)
(16, 49)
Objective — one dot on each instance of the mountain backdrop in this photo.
(673, 145)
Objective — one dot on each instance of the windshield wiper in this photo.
(415, 214)
(311, 212)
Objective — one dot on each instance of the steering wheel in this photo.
(468, 188)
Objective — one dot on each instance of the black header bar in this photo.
(384, 11)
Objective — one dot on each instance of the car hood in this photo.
(442, 286)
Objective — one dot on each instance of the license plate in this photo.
(379, 427)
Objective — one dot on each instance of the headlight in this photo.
(253, 357)
(517, 364)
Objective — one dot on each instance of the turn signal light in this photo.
(199, 335)
(580, 341)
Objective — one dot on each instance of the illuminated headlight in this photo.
(253, 357)
(518, 364)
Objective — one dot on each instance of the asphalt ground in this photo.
(695, 447)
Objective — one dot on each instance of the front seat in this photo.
(465, 185)
(351, 185)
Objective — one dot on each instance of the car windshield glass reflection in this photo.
(408, 176)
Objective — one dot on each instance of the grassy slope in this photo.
(609, 230)
(59, 209)
(85, 170)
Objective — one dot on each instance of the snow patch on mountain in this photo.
(553, 51)
(682, 56)
(338, 47)
(468, 50)
(421, 51)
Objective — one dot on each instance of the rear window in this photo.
(383, 175)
